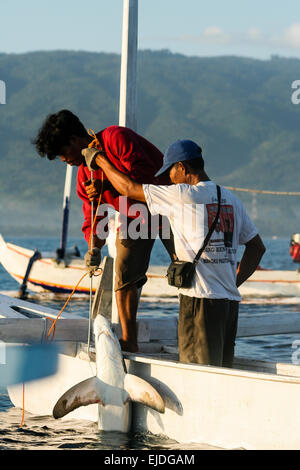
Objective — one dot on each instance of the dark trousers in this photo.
(207, 330)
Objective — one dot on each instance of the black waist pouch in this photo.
(181, 273)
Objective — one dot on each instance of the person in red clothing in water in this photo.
(62, 134)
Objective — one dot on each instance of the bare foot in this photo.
(128, 346)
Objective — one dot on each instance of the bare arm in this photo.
(252, 255)
(122, 183)
(98, 242)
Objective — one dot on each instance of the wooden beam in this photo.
(12, 307)
(28, 330)
(102, 304)
(35, 330)
(271, 324)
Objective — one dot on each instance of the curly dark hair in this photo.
(56, 132)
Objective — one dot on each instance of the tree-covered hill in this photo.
(238, 109)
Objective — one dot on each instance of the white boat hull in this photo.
(47, 276)
(255, 405)
(272, 283)
(223, 407)
(262, 283)
(42, 395)
(228, 408)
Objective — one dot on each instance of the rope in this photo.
(94, 221)
(23, 407)
(66, 303)
(261, 191)
(96, 144)
(53, 326)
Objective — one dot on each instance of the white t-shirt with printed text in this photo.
(191, 209)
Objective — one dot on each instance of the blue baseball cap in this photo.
(179, 151)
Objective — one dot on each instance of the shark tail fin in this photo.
(142, 392)
(82, 394)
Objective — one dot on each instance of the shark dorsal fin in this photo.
(142, 392)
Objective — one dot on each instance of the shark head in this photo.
(106, 344)
(102, 325)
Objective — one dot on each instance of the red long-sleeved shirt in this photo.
(131, 154)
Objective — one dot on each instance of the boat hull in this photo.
(262, 283)
(46, 275)
(227, 408)
(41, 395)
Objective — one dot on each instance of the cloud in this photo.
(254, 34)
(210, 35)
(214, 35)
(285, 41)
(292, 35)
(213, 31)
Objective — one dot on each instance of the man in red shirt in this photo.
(63, 134)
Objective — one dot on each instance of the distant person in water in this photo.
(62, 134)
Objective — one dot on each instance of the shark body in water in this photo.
(112, 387)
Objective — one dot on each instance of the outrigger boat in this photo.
(255, 405)
(60, 277)
(57, 273)
(46, 274)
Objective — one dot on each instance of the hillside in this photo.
(239, 110)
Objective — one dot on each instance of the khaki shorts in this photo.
(132, 261)
(207, 330)
(133, 256)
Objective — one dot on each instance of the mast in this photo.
(128, 81)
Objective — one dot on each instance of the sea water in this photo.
(43, 432)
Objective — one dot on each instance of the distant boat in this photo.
(262, 283)
(46, 275)
(57, 273)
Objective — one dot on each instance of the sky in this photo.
(251, 28)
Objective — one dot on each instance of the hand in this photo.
(93, 189)
(90, 155)
(93, 259)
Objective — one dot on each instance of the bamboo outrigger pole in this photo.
(66, 208)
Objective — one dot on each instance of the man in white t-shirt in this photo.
(208, 311)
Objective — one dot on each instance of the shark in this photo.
(112, 387)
